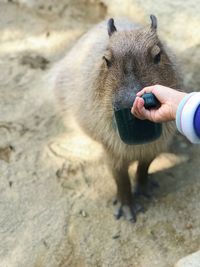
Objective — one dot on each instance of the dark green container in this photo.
(134, 131)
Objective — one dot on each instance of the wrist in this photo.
(179, 97)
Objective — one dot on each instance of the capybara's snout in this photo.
(124, 98)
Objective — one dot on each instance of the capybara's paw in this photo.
(126, 211)
(146, 190)
(129, 212)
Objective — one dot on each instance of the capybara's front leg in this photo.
(124, 200)
(144, 186)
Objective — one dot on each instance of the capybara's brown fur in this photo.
(112, 56)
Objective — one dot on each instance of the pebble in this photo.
(83, 213)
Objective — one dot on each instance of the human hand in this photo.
(169, 100)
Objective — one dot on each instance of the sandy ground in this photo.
(55, 189)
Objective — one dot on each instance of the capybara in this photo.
(116, 55)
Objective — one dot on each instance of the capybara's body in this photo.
(110, 57)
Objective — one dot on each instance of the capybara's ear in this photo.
(111, 27)
(153, 22)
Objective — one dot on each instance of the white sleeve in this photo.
(185, 116)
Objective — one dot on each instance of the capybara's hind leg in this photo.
(144, 185)
(124, 202)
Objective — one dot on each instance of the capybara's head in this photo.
(135, 59)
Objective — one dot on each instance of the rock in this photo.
(192, 260)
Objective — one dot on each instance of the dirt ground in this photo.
(55, 190)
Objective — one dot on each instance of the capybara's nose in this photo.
(124, 98)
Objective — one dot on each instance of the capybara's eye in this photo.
(157, 58)
(108, 62)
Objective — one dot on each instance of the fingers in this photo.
(138, 108)
(148, 89)
(155, 89)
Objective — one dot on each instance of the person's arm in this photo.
(197, 121)
(188, 117)
(185, 108)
